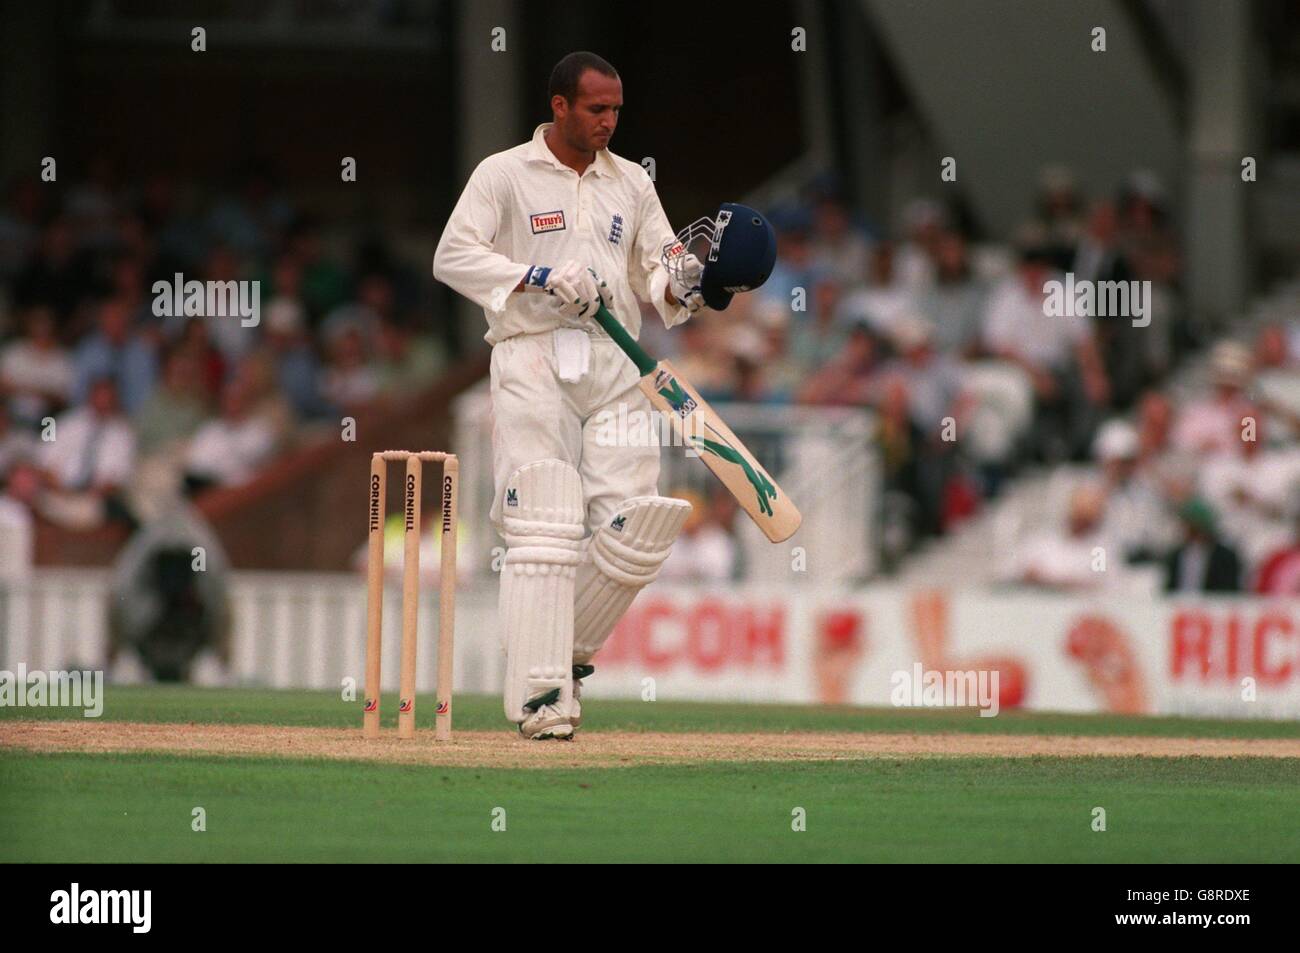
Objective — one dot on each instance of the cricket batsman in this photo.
(541, 233)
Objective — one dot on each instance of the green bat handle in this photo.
(643, 361)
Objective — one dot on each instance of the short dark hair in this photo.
(567, 72)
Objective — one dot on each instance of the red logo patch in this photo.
(547, 221)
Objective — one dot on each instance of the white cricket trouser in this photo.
(538, 416)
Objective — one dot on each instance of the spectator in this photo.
(838, 249)
(1213, 425)
(933, 385)
(899, 442)
(373, 305)
(176, 408)
(115, 351)
(933, 380)
(36, 373)
(16, 445)
(1155, 426)
(851, 377)
(818, 335)
(93, 449)
(886, 298)
(1068, 560)
(17, 528)
(1252, 492)
(955, 303)
(228, 450)
(924, 220)
(1137, 519)
(1059, 353)
(1097, 257)
(794, 260)
(407, 361)
(266, 401)
(325, 284)
(783, 374)
(210, 366)
(748, 348)
(351, 381)
(1149, 242)
(298, 373)
(1059, 207)
(228, 333)
(1203, 563)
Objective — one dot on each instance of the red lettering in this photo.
(650, 657)
(707, 639)
(1232, 648)
(764, 637)
(707, 634)
(1268, 624)
(1190, 643)
(618, 648)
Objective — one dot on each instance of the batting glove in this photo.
(684, 282)
(576, 289)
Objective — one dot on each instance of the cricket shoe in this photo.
(544, 720)
(579, 673)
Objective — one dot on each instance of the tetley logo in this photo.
(512, 496)
(618, 523)
(547, 221)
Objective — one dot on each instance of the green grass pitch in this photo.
(137, 807)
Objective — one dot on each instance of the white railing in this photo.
(56, 619)
(288, 630)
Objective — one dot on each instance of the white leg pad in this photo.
(622, 558)
(544, 524)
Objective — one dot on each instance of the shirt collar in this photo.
(541, 152)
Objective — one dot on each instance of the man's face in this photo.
(588, 122)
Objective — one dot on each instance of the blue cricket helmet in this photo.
(738, 256)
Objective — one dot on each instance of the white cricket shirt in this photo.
(524, 207)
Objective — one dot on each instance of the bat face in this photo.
(722, 452)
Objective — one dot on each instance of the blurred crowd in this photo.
(105, 405)
(1204, 489)
(946, 338)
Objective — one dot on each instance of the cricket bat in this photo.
(719, 448)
